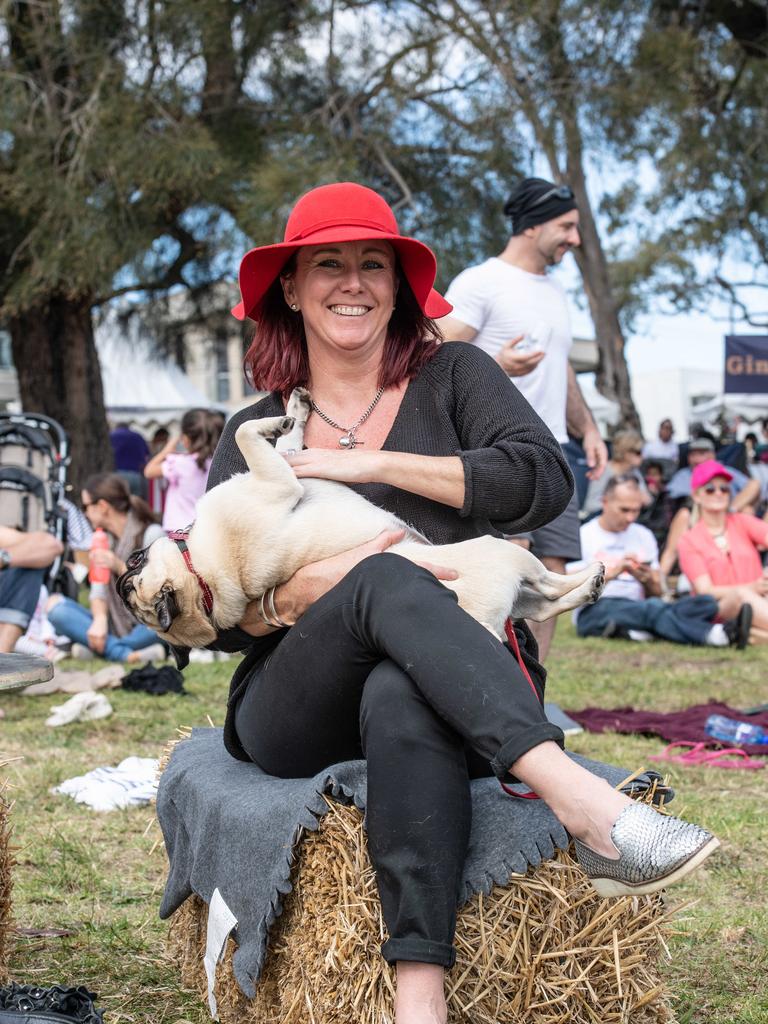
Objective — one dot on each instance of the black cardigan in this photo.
(461, 403)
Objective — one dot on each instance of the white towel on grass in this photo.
(130, 783)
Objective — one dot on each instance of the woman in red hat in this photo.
(382, 663)
(721, 553)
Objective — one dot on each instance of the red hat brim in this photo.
(260, 267)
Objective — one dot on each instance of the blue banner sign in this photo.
(746, 364)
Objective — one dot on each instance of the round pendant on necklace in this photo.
(347, 441)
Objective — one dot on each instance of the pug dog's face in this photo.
(160, 591)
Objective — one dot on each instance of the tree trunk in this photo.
(59, 375)
(612, 377)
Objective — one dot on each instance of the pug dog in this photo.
(255, 530)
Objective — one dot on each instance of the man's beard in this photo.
(555, 256)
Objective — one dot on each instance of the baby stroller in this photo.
(34, 456)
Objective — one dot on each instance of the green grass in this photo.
(99, 876)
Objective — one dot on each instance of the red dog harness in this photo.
(180, 538)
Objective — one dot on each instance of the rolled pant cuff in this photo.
(419, 951)
(13, 617)
(521, 744)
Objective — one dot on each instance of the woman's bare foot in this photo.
(420, 997)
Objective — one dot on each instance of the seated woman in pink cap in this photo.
(720, 554)
(369, 655)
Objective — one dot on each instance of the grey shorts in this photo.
(560, 538)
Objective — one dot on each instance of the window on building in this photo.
(221, 363)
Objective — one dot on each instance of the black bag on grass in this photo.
(155, 681)
(29, 1004)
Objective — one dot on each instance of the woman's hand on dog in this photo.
(346, 467)
(439, 478)
(312, 581)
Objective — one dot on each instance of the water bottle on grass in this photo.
(732, 731)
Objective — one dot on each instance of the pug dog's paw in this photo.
(598, 582)
(273, 426)
(299, 405)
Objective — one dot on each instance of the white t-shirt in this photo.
(501, 301)
(605, 546)
(658, 449)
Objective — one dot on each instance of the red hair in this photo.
(277, 357)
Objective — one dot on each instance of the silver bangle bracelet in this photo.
(263, 614)
(270, 616)
(273, 611)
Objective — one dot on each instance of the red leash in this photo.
(509, 629)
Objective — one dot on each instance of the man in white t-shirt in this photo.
(631, 605)
(512, 309)
(663, 447)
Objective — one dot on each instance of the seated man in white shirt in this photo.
(631, 606)
(663, 447)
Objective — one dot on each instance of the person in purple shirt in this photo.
(131, 453)
(130, 449)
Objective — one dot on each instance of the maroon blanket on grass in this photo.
(674, 726)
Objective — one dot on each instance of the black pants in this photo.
(387, 666)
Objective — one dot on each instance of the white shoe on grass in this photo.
(155, 652)
(82, 653)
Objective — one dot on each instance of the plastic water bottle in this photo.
(99, 573)
(733, 731)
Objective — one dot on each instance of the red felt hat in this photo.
(344, 212)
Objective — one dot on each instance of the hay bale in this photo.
(6, 863)
(545, 949)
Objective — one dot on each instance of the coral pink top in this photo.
(699, 554)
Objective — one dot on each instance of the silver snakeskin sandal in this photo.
(655, 850)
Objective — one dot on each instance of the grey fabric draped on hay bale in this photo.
(228, 825)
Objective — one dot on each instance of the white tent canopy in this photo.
(140, 388)
(750, 408)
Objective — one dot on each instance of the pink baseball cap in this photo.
(707, 471)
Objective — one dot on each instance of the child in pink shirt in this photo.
(185, 473)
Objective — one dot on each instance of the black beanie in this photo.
(527, 210)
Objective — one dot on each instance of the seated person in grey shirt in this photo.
(626, 458)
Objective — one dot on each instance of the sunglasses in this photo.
(717, 489)
(559, 192)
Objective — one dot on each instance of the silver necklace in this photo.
(348, 439)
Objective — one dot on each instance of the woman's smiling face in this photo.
(345, 292)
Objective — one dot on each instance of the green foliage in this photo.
(117, 121)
